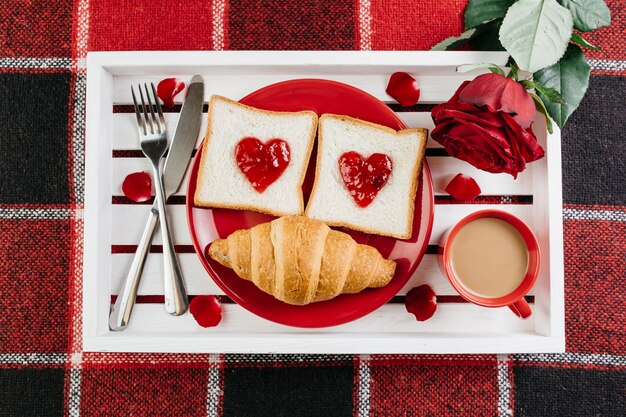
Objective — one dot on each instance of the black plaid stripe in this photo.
(31, 392)
(594, 145)
(541, 391)
(301, 390)
(34, 138)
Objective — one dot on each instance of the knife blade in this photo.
(176, 162)
(185, 136)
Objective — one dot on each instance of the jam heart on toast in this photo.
(262, 163)
(364, 178)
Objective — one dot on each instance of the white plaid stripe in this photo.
(605, 65)
(293, 358)
(214, 390)
(39, 213)
(363, 407)
(469, 357)
(32, 358)
(126, 358)
(219, 24)
(36, 63)
(75, 382)
(612, 215)
(82, 33)
(78, 137)
(573, 358)
(504, 386)
(365, 25)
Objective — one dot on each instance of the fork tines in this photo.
(147, 120)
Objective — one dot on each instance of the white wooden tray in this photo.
(457, 327)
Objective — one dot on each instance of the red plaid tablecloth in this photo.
(43, 370)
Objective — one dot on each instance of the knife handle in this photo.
(123, 307)
(174, 290)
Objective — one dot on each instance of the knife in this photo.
(178, 157)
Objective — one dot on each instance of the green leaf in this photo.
(454, 41)
(588, 14)
(541, 108)
(536, 33)
(487, 40)
(549, 93)
(570, 76)
(576, 38)
(471, 67)
(480, 11)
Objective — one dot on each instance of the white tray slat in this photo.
(152, 317)
(433, 88)
(125, 128)
(128, 220)
(442, 168)
(284, 343)
(199, 282)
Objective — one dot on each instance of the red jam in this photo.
(364, 178)
(262, 163)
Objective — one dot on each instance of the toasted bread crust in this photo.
(207, 137)
(417, 169)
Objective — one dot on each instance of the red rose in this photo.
(487, 123)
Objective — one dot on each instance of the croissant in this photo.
(300, 260)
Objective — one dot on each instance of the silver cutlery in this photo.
(176, 163)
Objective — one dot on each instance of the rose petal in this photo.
(463, 188)
(137, 186)
(168, 89)
(484, 138)
(488, 137)
(530, 148)
(441, 111)
(403, 88)
(500, 93)
(478, 117)
(206, 310)
(455, 97)
(422, 302)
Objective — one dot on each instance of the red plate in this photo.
(206, 225)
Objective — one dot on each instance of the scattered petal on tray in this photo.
(403, 88)
(168, 89)
(206, 310)
(422, 302)
(463, 188)
(137, 186)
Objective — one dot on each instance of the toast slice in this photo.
(224, 182)
(390, 212)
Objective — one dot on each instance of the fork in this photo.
(153, 139)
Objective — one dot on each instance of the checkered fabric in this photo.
(43, 370)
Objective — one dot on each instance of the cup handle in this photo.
(521, 309)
